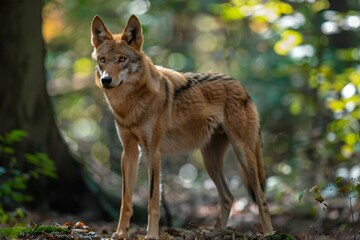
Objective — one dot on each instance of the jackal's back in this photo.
(199, 108)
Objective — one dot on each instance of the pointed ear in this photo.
(99, 32)
(132, 33)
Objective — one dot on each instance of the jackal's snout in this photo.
(106, 81)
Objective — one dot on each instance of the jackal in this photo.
(159, 111)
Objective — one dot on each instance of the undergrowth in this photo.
(348, 188)
(14, 179)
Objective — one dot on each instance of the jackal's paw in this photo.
(151, 237)
(218, 224)
(119, 236)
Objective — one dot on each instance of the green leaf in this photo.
(15, 136)
(44, 165)
(345, 189)
(338, 180)
(350, 138)
(335, 105)
(20, 212)
(3, 217)
(19, 182)
(32, 158)
(5, 187)
(6, 149)
(34, 174)
(315, 189)
(357, 187)
(319, 198)
(301, 195)
(47, 166)
(49, 173)
(17, 197)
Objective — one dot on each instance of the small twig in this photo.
(352, 218)
(33, 231)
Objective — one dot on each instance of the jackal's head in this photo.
(118, 56)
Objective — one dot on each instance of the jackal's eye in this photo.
(122, 59)
(102, 59)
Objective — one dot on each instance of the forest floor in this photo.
(80, 230)
(67, 231)
(53, 226)
(192, 218)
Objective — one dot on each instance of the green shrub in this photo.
(346, 187)
(14, 179)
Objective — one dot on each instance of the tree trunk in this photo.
(25, 104)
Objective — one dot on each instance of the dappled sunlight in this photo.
(302, 51)
(292, 58)
(176, 61)
(138, 7)
(293, 21)
(289, 40)
(187, 174)
(298, 61)
(330, 27)
(348, 91)
(53, 21)
(100, 152)
(335, 22)
(85, 129)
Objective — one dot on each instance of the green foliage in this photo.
(24, 232)
(280, 236)
(348, 188)
(43, 165)
(14, 179)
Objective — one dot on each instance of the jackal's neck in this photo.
(129, 101)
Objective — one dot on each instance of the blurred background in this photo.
(298, 59)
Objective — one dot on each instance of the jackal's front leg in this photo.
(153, 161)
(129, 166)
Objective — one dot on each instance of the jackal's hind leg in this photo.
(213, 154)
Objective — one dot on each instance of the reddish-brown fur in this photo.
(165, 112)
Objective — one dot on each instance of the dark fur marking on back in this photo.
(167, 93)
(198, 78)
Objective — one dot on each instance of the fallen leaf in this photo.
(48, 236)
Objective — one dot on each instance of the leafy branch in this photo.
(14, 180)
(346, 187)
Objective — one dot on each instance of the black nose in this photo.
(106, 81)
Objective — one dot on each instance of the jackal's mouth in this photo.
(111, 86)
(107, 87)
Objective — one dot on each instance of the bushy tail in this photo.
(261, 165)
(261, 170)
